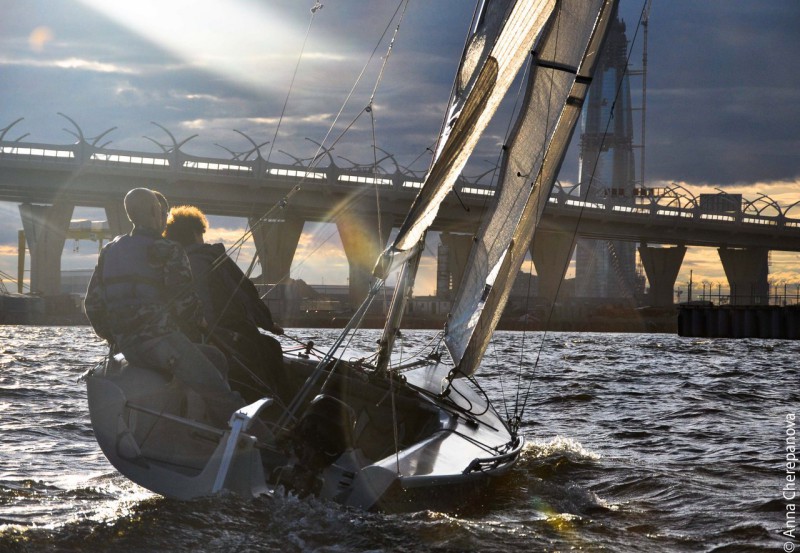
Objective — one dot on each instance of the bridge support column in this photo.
(46, 231)
(458, 247)
(118, 222)
(276, 242)
(747, 271)
(661, 265)
(362, 246)
(551, 252)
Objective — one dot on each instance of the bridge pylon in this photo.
(661, 265)
(276, 242)
(46, 229)
(747, 270)
(362, 245)
(551, 253)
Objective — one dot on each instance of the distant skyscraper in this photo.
(607, 268)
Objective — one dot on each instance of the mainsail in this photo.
(564, 62)
(504, 34)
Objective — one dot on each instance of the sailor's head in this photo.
(144, 209)
(186, 225)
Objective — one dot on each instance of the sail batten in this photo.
(557, 86)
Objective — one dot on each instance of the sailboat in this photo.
(373, 434)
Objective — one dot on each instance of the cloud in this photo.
(72, 63)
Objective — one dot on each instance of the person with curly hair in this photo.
(232, 306)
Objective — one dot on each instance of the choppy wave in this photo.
(634, 443)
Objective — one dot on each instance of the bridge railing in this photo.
(83, 153)
(655, 209)
(671, 202)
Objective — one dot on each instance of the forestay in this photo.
(563, 64)
(504, 34)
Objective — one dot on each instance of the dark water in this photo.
(636, 443)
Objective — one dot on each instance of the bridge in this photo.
(49, 180)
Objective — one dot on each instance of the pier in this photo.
(752, 316)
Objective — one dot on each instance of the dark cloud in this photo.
(722, 99)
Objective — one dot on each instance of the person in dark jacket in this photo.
(140, 289)
(233, 308)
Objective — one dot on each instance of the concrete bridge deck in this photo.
(52, 179)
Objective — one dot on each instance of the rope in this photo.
(314, 9)
(353, 88)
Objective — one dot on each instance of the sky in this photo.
(723, 94)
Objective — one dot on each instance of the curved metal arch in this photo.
(767, 204)
(389, 156)
(164, 149)
(8, 128)
(788, 208)
(297, 160)
(256, 147)
(476, 179)
(677, 194)
(326, 151)
(572, 190)
(399, 169)
(234, 156)
(97, 138)
(81, 137)
(176, 146)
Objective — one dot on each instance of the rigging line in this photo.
(435, 338)
(416, 159)
(353, 325)
(395, 425)
(542, 154)
(352, 91)
(591, 178)
(375, 188)
(314, 11)
(249, 231)
(389, 50)
(356, 327)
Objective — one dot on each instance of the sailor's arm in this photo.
(94, 304)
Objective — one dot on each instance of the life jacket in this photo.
(130, 278)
